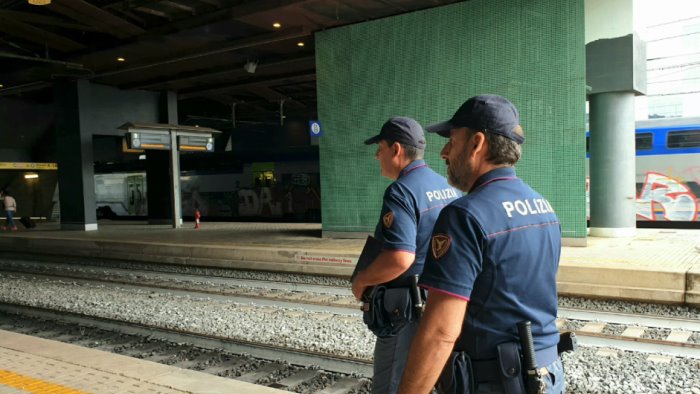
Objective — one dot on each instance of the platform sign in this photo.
(315, 128)
(195, 143)
(141, 140)
(8, 165)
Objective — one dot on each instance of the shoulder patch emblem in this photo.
(388, 219)
(440, 244)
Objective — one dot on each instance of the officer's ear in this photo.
(396, 148)
(478, 142)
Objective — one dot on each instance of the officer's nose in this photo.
(444, 152)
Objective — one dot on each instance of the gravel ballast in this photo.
(587, 371)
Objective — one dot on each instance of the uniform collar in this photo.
(499, 174)
(414, 165)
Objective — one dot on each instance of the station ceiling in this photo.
(197, 48)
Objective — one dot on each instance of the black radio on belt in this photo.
(567, 342)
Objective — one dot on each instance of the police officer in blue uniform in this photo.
(410, 207)
(492, 264)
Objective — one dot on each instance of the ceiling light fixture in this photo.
(276, 25)
(250, 66)
(39, 2)
(121, 59)
(300, 43)
(31, 176)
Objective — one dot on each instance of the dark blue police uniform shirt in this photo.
(411, 206)
(498, 247)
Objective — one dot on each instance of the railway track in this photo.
(673, 337)
(240, 360)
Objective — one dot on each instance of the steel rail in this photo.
(642, 345)
(674, 323)
(260, 300)
(328, 362)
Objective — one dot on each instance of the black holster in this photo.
(457, 376)
(510, 369)
(388, 310)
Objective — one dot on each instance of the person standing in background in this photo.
(10, 208)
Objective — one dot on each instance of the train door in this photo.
(136, 195)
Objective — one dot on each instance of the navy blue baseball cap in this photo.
(487, 112)
(400, 129)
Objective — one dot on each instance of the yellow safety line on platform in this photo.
(33, 385)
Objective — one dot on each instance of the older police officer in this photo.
(410, 207)
(493, 263)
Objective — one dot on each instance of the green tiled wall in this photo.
(424, 65)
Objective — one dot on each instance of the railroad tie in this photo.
(679, 336)
(262, 372)
(593, 327)
(342, 386)
(295, 380)
(633, 332)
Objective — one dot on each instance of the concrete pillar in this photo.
(612, 164)
(615, 73)
(160, 199)
(76, 176)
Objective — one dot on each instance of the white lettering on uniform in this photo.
(508, 206)
(443, 194)
(550, 206)
(524, 208)
(529, 208)
(540, 206)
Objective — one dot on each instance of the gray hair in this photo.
(412, 153)
(503, 150)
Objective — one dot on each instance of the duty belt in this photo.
(489, 370)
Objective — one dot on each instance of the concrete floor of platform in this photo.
(661, 265)
(31, 364)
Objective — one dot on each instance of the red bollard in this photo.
(197, 215)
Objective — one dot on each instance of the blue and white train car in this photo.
(667, 170)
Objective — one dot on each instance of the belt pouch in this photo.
(397, 305)
(387, 311)
(510, 369)
(457, 376)
(373, 313)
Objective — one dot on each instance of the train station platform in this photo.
(656, 265)
(35, 365)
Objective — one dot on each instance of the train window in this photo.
(684, 139)
(588, 144)
(643, 141)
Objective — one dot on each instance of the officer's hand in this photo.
(358, 289)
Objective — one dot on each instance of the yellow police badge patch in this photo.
(440, 245)
(388, 219)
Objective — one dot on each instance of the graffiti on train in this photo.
(661, 197)
(302, 203)
(673, 198)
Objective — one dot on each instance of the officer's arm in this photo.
(387, 266)
(439, 328)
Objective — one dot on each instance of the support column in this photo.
(76, 176)
(615, 73)
(160, 199)
(612, 164)
(175, 181)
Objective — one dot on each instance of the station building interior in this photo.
(261, 73)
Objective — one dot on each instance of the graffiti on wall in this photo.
(672, 197)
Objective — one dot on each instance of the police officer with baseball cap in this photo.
(492, 264)
(410, 207)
